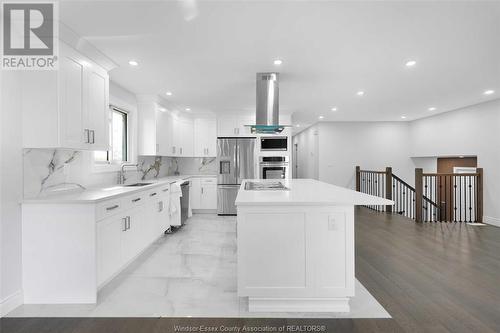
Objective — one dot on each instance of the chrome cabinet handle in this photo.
(202, 190)
(152, 194)
(87, 135)
(93, 136)
(173, 149)
(180, 150)
(112, 207)
(124, 223)
(160, 206)
(165, 190)
(136, 199)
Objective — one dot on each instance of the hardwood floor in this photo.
(431, 277)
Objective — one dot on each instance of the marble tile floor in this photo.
(190, 273)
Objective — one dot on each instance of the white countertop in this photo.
(306, 192)
(93, 195)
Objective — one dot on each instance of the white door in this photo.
(74, 133)
(163, 133)
(209, 196)
(195, 193)
(187, 144)
(211, 138)
(134, 238)
(205, 137)
(97, 109)
(109, 235)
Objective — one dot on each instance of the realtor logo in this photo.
(29, 36)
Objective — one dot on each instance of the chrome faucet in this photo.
(121, 176)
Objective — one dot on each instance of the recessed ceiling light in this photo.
(133, 63)
(334, 109)
(278, 62)
(168, 93)
(410, 63)
(188, 109)
(432, 108)
(403, 117)
(298, 125)
(360, 93)
(489, 92)
(162, 109)
(321, 117)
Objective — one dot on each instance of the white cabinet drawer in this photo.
(108, 208)
(208, 180)
(153, 194)
(135, 199)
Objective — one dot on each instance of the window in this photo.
(118, 139)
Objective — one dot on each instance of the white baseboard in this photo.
(491, 220)
(11, 302)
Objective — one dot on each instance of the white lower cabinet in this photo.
(109, 243)
(203, 193)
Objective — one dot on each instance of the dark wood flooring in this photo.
(431, 277)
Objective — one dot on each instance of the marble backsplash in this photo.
(47, 171)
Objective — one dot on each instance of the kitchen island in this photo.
(296, 245)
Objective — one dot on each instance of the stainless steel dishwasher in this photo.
(184, 201)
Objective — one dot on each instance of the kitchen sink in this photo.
(137, 184)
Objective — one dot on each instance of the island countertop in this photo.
(306, 192)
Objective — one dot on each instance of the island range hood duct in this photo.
(267, 113)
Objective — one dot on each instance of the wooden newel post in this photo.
(418, 194)
(480, 180)
(388, 187)
(358, 178)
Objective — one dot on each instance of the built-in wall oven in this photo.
(274, 167)
(273, 143)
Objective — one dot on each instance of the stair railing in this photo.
(456, 197)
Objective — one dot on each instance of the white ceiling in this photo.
(330, 50)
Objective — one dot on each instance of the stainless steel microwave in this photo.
(273, 143)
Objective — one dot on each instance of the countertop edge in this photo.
(131, 190)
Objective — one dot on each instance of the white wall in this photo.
(340, 146)
(11, 191)
(371, 145)
(473, 130)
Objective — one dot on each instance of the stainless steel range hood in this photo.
(267, 113)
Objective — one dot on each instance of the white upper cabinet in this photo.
(97, 113)
(186, 144)
(164, 129)
(205, 137)
(235, 126)
(67, 108)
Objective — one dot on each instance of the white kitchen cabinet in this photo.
(231, 126)
(155, 128)
(186, 145)
(208, 194)
(195, 193)
(71, 249)
(203, 193)
(67, 108)
(205, 137)
(109, 243)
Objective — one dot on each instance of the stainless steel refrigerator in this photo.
(236, 162)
